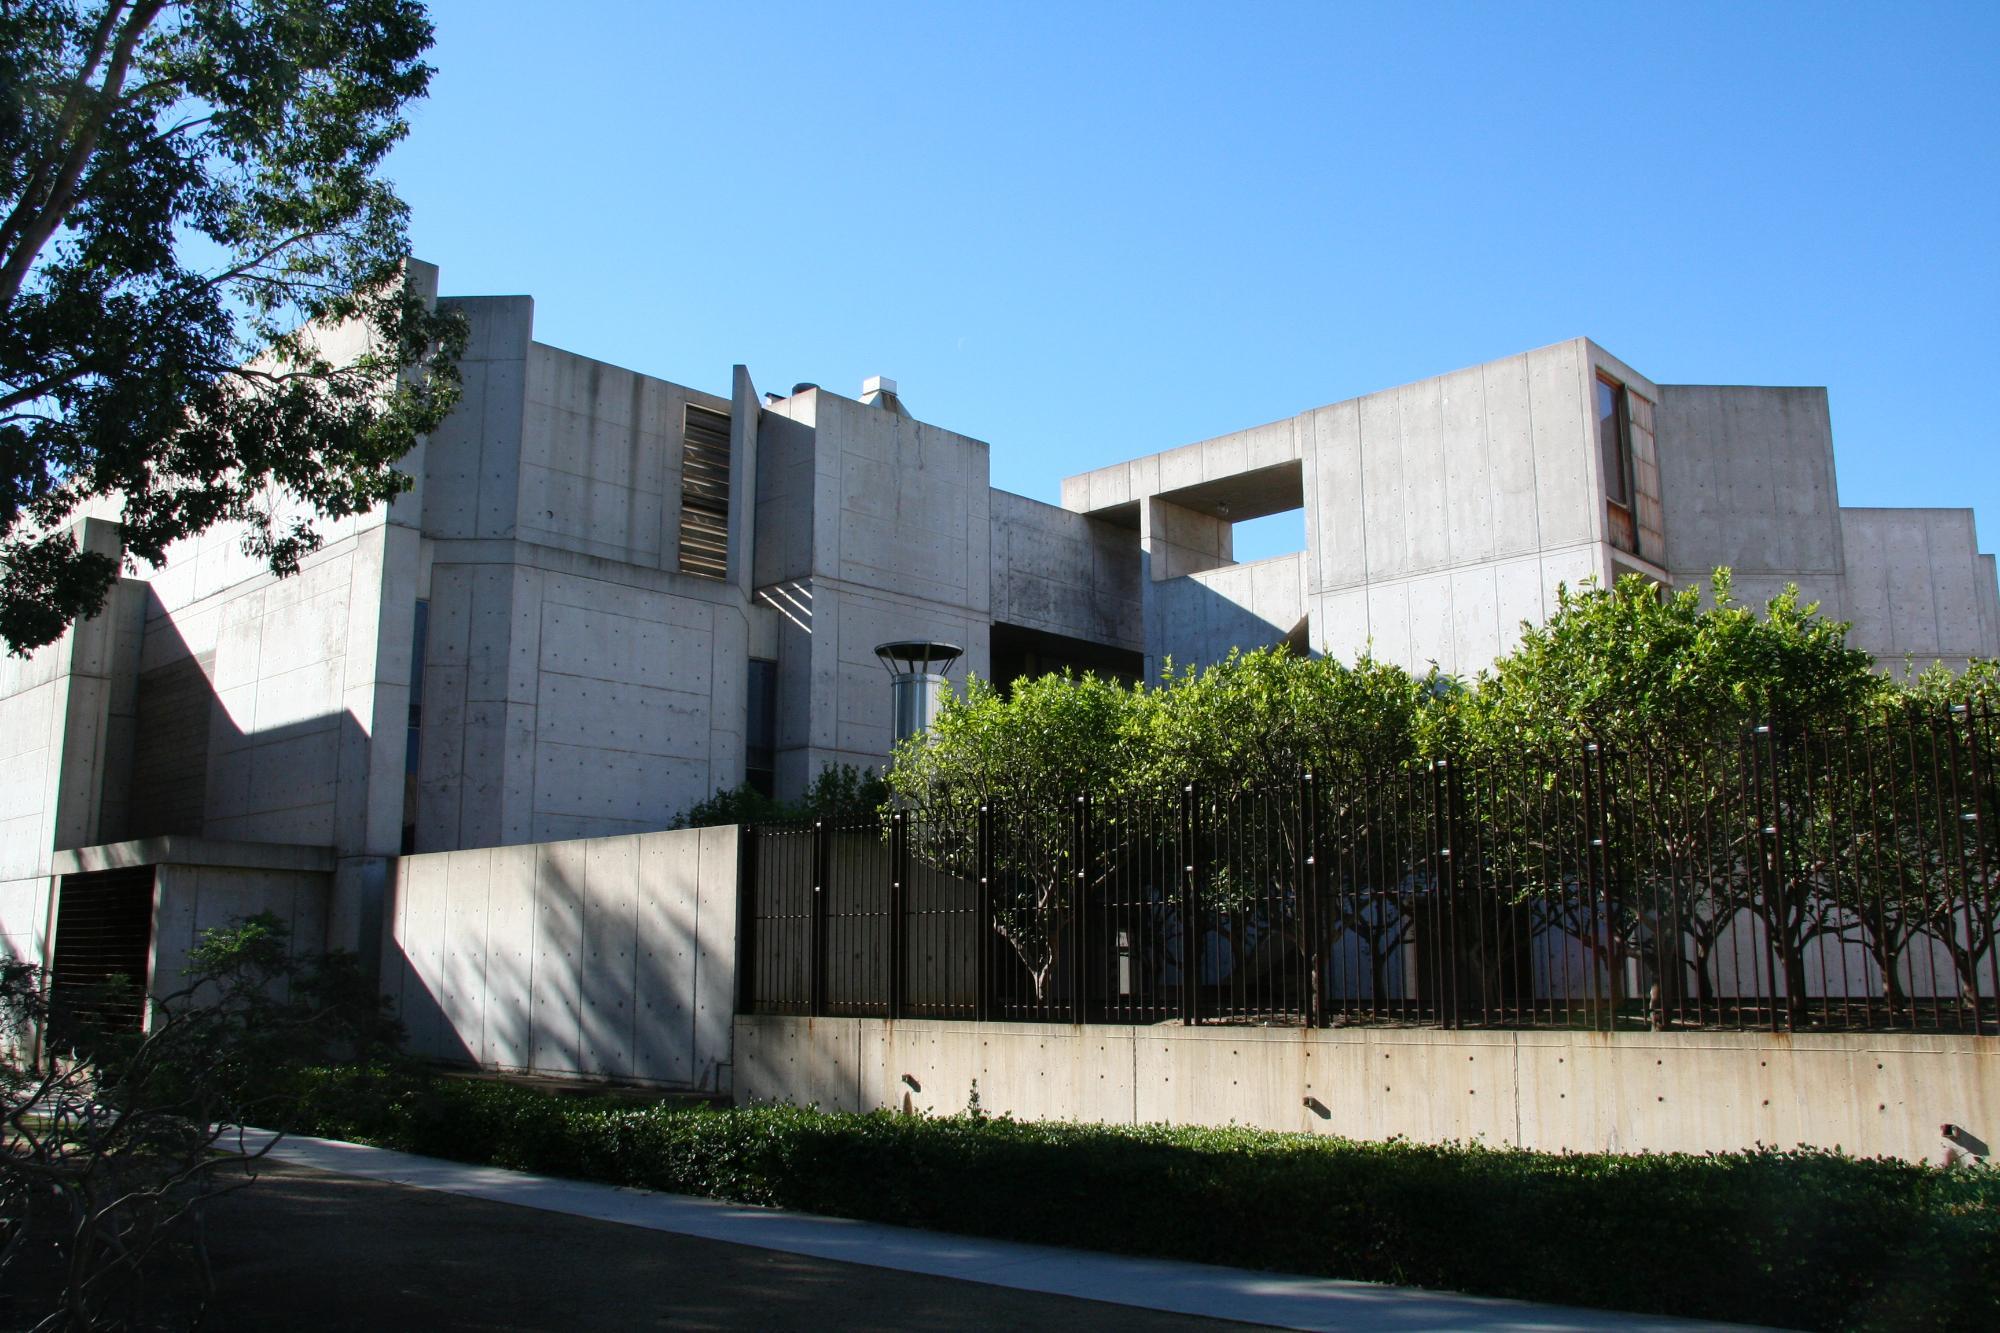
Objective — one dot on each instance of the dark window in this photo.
(760, 732)
(1614, 441)
(413, 741)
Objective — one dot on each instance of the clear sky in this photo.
(1084, 232)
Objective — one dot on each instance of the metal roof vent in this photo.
(880, 391)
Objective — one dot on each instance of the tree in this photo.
(1903, 822)
(1024, 757)
(117, 1135)
(1257, 729)
(202, 309)
(1633, 715)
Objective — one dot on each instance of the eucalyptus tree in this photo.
(203, 316)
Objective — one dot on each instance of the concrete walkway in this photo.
(1270, 1299)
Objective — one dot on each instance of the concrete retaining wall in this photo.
(1630, 1092)
(604, 957)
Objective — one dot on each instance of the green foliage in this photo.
(1038, 744)
(202, 308)
(841, 791)
(113, 1135)
(1261, 718)
(1799, 1239)
(1637, 668)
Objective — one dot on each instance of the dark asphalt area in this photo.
(307, 1250)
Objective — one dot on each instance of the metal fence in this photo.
(1822, 880)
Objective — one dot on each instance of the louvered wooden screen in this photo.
(705, 493)
(104, 929)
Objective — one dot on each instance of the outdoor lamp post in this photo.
(917, 670)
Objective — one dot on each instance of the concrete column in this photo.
(1175, 541)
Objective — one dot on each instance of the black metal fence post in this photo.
(899, 879)
(1312, 1005)
(1079, 959)
(1190, 905)
(816, 963)
(984, 934)
(746, 918)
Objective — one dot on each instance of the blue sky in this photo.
(1083, 232)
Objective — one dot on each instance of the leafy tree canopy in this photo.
(1636, 667)
(841, 791)
(202, 312)
(1261, 718)
(1036, 745)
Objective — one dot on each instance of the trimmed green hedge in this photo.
(1801, 1238)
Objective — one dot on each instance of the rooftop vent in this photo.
(880, 391)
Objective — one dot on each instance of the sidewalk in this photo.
(1166, 1286)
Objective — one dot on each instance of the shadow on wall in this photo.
(608, 957)
(261, 759)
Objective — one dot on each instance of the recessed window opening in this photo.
(1282, 533)
(760, 732)
(1614, 454)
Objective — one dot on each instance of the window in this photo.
(1614, 441)
(1614, 454)
(760, 731)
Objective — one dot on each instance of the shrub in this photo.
(1800, 1238)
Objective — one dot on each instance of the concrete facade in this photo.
(1441, 515)
(562, 631)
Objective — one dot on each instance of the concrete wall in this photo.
(1064, 573)
(571, 696)
(613, 957)
(66, 722)
(1747, 481)
(1917, 589)
(576, 683)
(203, 883)
(1551, 1091)
(901, 543)
(1199, 618)
(1439, 514)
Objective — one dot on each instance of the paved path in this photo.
(1158, 1287)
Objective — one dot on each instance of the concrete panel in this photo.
(556, 999)
(1433, 626)
(609, 980)
(1426, 507)
(1568, 501)
(1337, 533)
(1386, 526)
(1747, 479)
(1468, 480)
(1545, 1090)
(508, 1010)
(714, 972)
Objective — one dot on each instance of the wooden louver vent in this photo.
(705, 493)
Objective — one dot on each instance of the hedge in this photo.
(1800, 1238)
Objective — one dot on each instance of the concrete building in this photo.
(608, 596)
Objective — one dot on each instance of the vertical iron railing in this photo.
(1834, 878)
